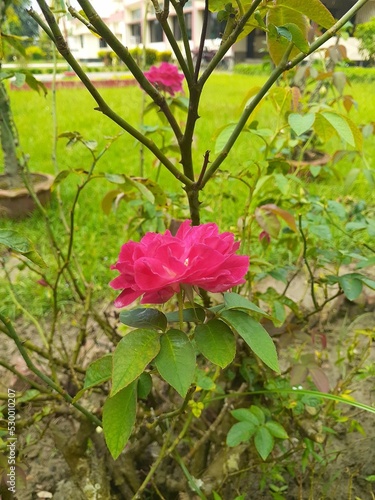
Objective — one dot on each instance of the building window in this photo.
(136, 33)
(135, 14)
(214, 28)
(188, 24)
(156, 31)
(102, 43)
(176, 26)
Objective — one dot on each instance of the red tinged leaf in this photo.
(287, 217)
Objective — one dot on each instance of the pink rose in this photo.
(166, 77)
(197, 256)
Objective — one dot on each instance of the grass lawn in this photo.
(99, 236)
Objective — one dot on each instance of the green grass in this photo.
(98, 236)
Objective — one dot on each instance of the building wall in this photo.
(131, 23)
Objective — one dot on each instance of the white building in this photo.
(130, 22)
(135, 24)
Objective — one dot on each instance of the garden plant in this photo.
(14, 201)
(190, 393)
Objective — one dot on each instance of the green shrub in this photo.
(359, 74)
(366, 35)
(164, 56)
(251, 69)
(106, 56)
(151, 55)
(35, 53)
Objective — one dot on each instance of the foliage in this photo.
(366, 34)
(251, 69)
(173, 378)
(34, 52)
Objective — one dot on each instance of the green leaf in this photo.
(116, 178)
(259, 413)
(278, 312)
(19, 244)
(298, 37)
(264, 442)
(132, 354)
(240, 433)
(190, 315)
(215, 340)
(144, 385)
(336, 208)
(351, 285)
(313, 9)
(144, 317)
(15, 241)
(276, 430)
(245, 415)
(154, 188)
(176, 360)
(236, 301)
(20, 79)
(223, 137)
(33, 83)
(255, 336)
(147, 194)
(91, 145)
(341, 126)
(108, 200)
(119, 413)
(203, 381)
(60, 177)
(280, 15)
(284, 32)
(15, 42)
(368, 282)
(98, 372)
(301, 123)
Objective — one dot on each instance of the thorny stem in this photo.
(180, 309)
(123, 53)
(206, 161)
(178, 7)
(83, 20)
(83, 328)
(227, 44)
(323, 304)
(11, 333)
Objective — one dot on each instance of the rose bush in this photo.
(159, 264)
(166, 77)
